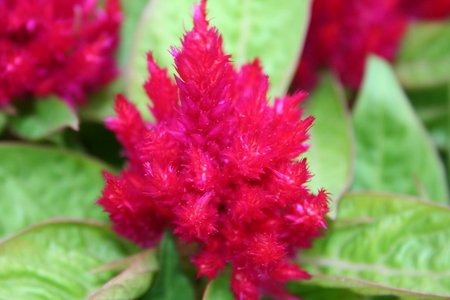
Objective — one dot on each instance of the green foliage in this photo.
(132, 282)
(332, 141)
(39, 183)
(170, 282)
(3, 120)
(218, 289)
(424, 59)
(53, 260)
(101, 103)
(384, 244)
(46, 117)
(312, 292)
(394, 152)
(432, 107)
(250, 29)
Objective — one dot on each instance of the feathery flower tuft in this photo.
(342, 33)
(61, 47)
(218, 166)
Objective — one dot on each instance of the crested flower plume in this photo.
(342, 33)
(218, 166)
(60, 47)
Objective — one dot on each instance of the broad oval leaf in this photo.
(272, 30)
(424, 57)
(52, 260)
(394, 152)
(170, 283)
(332, 154)
(132, 282)
(384, 244)
(38, 183)
(45, 117)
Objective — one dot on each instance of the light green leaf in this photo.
(384, 244)
(424, 58)
(394, 152)
(170, 282)
(52, 260)
(218, 289)
(272, 30)
(132, 11)
(332, 154)
(48, 116)
(40, 183)
(132, 282)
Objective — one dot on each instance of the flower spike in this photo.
(218, 167)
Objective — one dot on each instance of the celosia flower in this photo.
(342, 33)
(218, 166)
(61, 47)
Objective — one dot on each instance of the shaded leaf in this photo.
(270, 30)
(394, 152)
(312, 292)
(101, 103)
(39, 183)
(3, 120)
(384, 244)
(46, 117)
(332, 154)
(218, 289)
(170, 282)
(132, 282)
(431, 106)
(424, 58)
(52, 260)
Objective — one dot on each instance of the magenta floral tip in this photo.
(64, 48)
(219, 167)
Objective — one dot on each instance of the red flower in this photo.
(218, 166)
(62, 47)
(342, 33)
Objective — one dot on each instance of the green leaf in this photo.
(394, 152)
(272, 31)
(101, 103)
(431, 106)
(384, 244)
(132, 11)
(42, 183)
(332, 154)
(312, 292)
(218, 289)
(132, 282)
(3, 120)
(48, 116)
(424, 58)
(52, 260)
(170, 283)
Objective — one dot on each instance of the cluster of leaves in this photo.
(388, 232)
